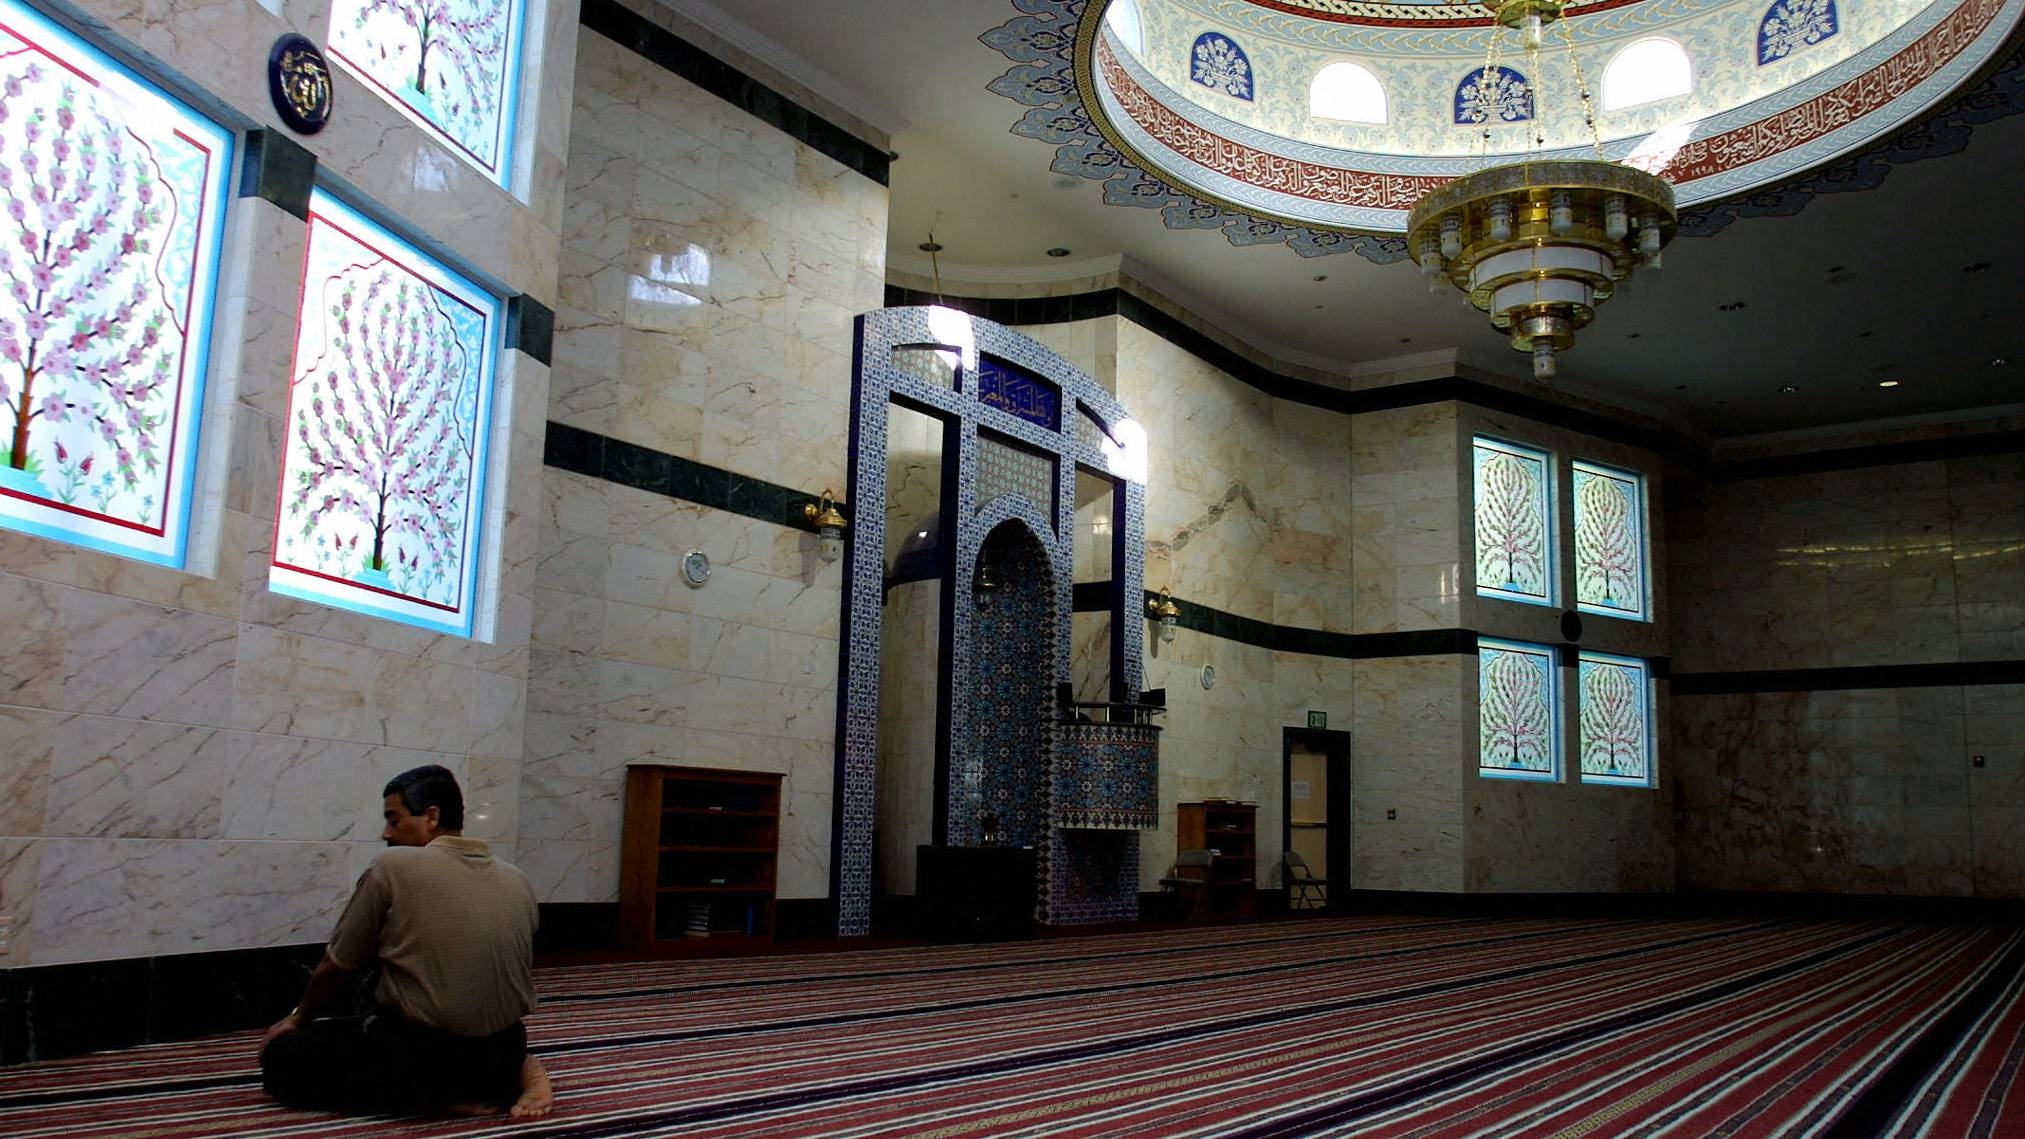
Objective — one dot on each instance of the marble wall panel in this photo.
(1406, 523)
(712, 267)
(1407, 774)
(1912, 563)
(1865, 791)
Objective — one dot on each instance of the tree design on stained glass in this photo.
(1514, 538)
(451, 65)
(1515, 699)
(388, 415)
(115, 197)
(1616, 713)
(1609, 542)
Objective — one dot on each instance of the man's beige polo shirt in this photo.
(453, 930)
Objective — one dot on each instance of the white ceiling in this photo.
(1856, 288)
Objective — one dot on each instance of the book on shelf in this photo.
(698, 923)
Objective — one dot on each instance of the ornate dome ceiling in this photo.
(1220, 97)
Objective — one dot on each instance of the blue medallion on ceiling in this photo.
(1790, 25)
(1041, 42)
(1218, 63)
(1493, 95)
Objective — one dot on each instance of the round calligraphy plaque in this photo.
(298, 79)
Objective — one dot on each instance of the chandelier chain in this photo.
(1487, 92)
(1582, 90)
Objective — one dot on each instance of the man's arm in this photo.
(328, 979)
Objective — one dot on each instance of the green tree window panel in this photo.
(451, 65)
(115, 197)
(1610, 542)
(1517, 714)
(1615, 699)
(1514, 523)
(389, 411)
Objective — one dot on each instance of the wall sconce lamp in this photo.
(1163, 610)
(829, 527)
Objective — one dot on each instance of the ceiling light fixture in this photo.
(1887, 383)
(1539, 242)
(1784, 389)
(1058, 251)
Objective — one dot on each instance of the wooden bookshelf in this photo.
(700, 857)
(1229, 831)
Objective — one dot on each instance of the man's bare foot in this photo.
(537, 1095)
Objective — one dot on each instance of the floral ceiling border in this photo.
(1041, 43)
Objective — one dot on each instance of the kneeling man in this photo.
(452, 931)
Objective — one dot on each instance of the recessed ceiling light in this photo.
(1788, 389)
(1887, 383)
(1999, 362)
(1977, 267)
(1058, 251)
(1321, 276)
(1680, 387)
(1318, 307)
(1064, 182)
(1733, 306)
(930, 247)
(1406, 340)
(1864, 333)
(1835, 268)
(1633, 335)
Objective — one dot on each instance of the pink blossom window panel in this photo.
(1615, 700)
(1610, 542)
(1514, 523)
(453, 66)
(115, 205)
(1518, 720)
(389, 411)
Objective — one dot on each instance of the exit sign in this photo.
(1318, 719)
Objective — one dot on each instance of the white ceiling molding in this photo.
(769, 52)
(1228, 329)
(955, 276)
(1986, 416)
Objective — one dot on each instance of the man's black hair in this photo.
(430, 785)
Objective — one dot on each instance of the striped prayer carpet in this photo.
(1391, 1027)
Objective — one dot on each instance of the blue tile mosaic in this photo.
(1083, 878)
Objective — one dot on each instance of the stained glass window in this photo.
(451, 65)
(1515, 544)
(1615, 702)
(388, 413)
(1609, 541)
(115, 198)
(1517, 718)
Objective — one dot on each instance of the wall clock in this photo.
(695, 568)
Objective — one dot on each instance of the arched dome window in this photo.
(1647, 71)
(1122, 17)
(1347, 91)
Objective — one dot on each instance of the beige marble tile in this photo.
(28, 740)
(20, 862)
(493, 799)
(288, 788)
(117, 778)
(280, 893)
(100, 898)
(129, 658)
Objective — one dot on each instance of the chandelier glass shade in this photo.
(1539, 242)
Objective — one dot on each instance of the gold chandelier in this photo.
(1538, 243)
